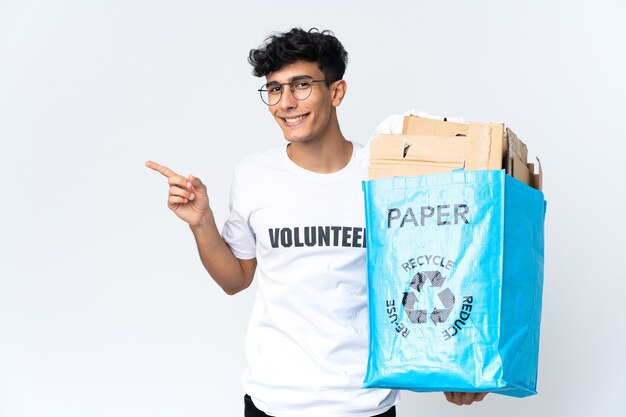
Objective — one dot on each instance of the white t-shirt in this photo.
(307, 341)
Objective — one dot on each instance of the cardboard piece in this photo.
(423, 126)
(428, 146)
(515, 147)
(516, 161)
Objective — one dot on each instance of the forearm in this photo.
(230, 273)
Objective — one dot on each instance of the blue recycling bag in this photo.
(455, 277)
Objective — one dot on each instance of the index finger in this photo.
(162, 169)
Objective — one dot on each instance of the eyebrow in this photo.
(295, 77)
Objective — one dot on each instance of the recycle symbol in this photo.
(411, 303)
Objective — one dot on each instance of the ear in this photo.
(338, 89)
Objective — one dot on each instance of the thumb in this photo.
(195, 182)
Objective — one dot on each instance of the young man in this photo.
(297, 226)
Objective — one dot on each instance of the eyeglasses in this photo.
(300, 87)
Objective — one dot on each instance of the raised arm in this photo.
(188, 199)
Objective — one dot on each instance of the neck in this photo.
(326, 154)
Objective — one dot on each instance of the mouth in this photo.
(294, 120)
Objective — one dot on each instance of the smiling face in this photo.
(313, 118)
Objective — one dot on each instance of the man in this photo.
(297, 226)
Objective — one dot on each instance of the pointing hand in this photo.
(187, 197)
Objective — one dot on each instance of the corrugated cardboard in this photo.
(516, 161)
(429, 146)
(423, 126)
(515, 147)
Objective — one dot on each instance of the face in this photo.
(313, 118)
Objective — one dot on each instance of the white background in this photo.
(105, 309)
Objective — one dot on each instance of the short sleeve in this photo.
(237, 232)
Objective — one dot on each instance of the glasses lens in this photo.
(301, 88)
(270, 93)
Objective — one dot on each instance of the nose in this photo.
(287, 100)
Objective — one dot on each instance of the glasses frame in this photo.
(282, 89)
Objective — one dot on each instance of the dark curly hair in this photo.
(282, 49)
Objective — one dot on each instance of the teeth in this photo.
(294, 119)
